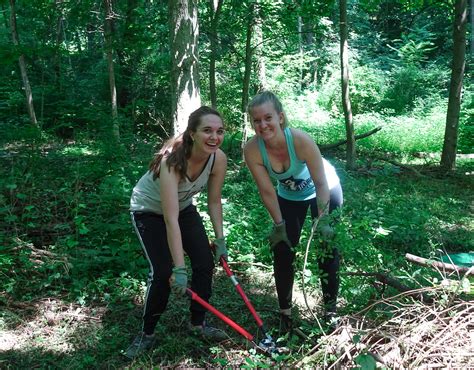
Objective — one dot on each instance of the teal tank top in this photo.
(295, 183)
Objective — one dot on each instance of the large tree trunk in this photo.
(346, 102)
(448, 157)
(21, 61)
(184, 32)
(110, 65)
(215, 7)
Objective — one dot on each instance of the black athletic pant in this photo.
(151, 231)
(294, 214)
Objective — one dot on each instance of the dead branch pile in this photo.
(411, 335)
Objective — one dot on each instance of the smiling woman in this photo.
(305, 181)
(168, 224)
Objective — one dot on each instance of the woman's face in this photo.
(265, 120)
(209, 134)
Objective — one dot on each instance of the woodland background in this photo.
(89, 89)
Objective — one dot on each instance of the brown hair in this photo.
(265, 97)
(178, 149)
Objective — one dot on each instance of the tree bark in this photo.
(184, 33)
(110, 66)
(259, 54)
(247, 72)
(248, 58)
(215, 8)
(448, 156)
(439, 265)
(21, 61)
(346, 102)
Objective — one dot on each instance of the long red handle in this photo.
(230, 274)
(220, 315)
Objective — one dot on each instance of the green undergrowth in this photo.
(73, 275)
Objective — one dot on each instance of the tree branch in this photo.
(342, 142)
(440, 265)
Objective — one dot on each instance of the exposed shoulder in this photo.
(251, 145)
(251, 151)
(300, 137)
(304, 144)
(221, 156)
(220, 163)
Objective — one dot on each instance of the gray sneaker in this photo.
(140, 344)
(208, 332)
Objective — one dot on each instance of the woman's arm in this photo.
(214, 192)
(169, 180)
(308, 151)
(267, 191)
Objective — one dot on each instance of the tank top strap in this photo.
(263, 153)
(290, 145)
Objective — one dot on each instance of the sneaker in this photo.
(208, 332)
(140, 344)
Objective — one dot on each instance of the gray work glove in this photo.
(220, 249)
(278, 235)
(325, 229)
(179, 280)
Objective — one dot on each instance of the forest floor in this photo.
(73, 286)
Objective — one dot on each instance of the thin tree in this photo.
(184, 33)
(247, 71)
(346, 102)
(215, 7)
(21, 61)
(261, 70)
(109, 17)
(448, 156)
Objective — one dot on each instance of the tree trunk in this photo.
(215, 8)
(247, 72)
(259, 53)
(346, 102)
(21, 61)
(184, 33)
(301, 51)
(110, 66)
(448, 156)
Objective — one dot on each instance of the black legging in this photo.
(151, 231)
(294, 214)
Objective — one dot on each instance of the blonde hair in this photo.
(265, 97)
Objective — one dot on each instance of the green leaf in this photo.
(11, 218)
(366, 362)
(356, 338)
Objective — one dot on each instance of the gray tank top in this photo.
(146, 195)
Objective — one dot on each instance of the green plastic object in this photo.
(460, 259)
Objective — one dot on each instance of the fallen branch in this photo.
(342, 142)
(440, 265)
(401, 165)
(394, 283)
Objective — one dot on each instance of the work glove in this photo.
(325, 229)
(278, 235)
(220, 249)
(179, 280)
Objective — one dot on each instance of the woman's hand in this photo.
(220, 249)
(278, 235)
(179, 280)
